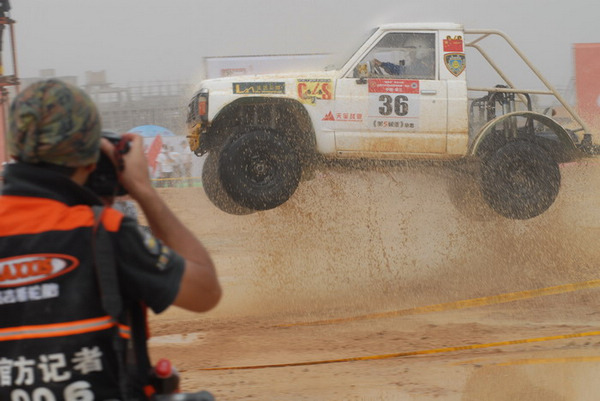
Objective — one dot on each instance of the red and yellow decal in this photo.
(309, 90)
(30, 269)
(393, 86)
(453, 44)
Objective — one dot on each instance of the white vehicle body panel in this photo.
(402, 95)
(388, 117)
(228, 66)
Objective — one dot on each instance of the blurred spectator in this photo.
(165, 167)
(177, 162)
(186, 160)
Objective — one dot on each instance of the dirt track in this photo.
(352, 244)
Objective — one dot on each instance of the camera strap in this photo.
(108, 281)
(112, 302)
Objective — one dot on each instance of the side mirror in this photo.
(361, 71)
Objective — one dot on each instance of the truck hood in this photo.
(288, 77)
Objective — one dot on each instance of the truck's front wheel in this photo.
(260, 170)
(520, 180)
(211, 181)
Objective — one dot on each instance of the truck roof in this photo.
(426, 26)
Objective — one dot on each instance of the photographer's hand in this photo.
(134, 176)
(200, 289)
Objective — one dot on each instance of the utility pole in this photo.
(6, 80)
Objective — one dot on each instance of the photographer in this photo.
(66, 333)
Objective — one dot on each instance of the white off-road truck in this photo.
(403, 95)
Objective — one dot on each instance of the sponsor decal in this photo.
(393, 86)
(394, 104)
(309, 90)
(228, 72)
(344, 117)
(455, 62)
(329, 117)
(393, 124)
(259, 88)
(453, 44)
(29, 269)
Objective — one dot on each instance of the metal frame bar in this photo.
(551, 90)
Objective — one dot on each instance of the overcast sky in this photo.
(156, 40)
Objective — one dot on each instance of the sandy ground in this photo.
(304, 283)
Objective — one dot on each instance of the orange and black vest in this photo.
(56, 340)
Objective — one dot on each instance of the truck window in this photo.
(403, 55)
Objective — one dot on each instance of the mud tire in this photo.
(260, 170)
(520, 180)
(214, 190)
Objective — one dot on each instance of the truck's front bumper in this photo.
(195, 132)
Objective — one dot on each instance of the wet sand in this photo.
(351, 244)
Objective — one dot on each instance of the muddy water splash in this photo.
(363, 239)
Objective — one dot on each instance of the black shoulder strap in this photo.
(112, 301)
(106, 267)
(108, 281)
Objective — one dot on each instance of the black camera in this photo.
(104, 180)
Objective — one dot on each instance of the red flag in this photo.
(587, 71)
(153, 151)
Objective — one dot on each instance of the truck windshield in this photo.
(339, 59)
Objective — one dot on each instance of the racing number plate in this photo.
(394, 104)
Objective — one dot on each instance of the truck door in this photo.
(393, 101)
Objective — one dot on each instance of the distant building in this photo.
(47, 74)
(161, 103)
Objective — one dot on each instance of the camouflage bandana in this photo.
(54, 122)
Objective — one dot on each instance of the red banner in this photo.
(153, 151)
(587, 82)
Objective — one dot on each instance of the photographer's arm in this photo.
(200, 289)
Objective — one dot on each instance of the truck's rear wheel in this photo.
(211, 181)
(464, 191)
(520, 180)
(260, 170)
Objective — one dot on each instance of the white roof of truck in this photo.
(426, 26)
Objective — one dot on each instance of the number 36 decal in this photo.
(396, 104)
